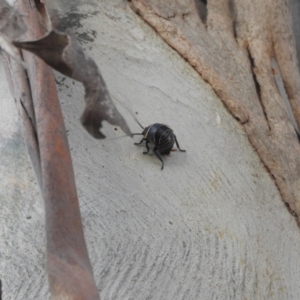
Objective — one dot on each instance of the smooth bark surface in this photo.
(211, 225)
(233, 51)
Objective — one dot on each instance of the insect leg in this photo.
(139, 142)
(159, 157)
(147, 148)
(178, 144)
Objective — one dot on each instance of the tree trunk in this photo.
(219, 222)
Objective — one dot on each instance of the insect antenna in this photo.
(135, 118)
(131, 113)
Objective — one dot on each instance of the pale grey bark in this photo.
(212, 225)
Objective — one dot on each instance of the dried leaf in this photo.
(61, 52)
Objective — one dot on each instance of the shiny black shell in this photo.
(161, 136)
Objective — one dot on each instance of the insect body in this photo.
(161, 137)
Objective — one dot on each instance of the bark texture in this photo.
(211, 225)
(69, 270)
(233, 50)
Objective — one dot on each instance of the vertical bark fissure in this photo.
(257, 86)
(201, 6)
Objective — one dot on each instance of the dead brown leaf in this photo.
(61, 52)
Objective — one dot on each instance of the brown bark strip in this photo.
(69, 269)
(223, 61)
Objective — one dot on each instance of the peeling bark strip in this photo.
(219, 50)
(69, 269)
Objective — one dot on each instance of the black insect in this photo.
(161, 137)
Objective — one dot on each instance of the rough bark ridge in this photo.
(233, 50)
